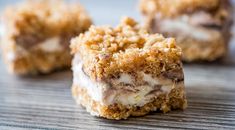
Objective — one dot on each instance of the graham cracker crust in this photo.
(38, 61)
(195, 50)
(175, 100)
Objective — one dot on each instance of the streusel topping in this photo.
(45, 18)
(107, 51)
(176, 7)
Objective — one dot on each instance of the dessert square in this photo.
(125, 71)
(202, 28)
(35, 35)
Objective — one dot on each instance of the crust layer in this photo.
(202, 51)
(199, 50)
(173, 8)
(174, 100)
(38, 61)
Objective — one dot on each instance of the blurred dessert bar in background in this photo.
(201, 27)
(125, 71)
(35, 35)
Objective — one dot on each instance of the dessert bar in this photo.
(201, 27)
(35, 35)
(125, 71)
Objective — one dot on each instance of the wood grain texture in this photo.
(45, 102)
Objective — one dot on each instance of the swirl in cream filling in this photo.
(122, 89)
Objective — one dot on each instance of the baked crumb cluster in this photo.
(39, 20)
(107, 51)
(176, 7)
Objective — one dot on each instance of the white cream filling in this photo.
(148, 78)
(124, 78)
(103, 93)
(135, 98)
(170, 25)
(14, 54)
(50, 45)
(93, 89)
(2, 30)
(10, 55)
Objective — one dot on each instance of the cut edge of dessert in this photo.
(125, 71)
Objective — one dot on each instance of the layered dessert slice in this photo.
(125, 71)
(35, 35)
(201, 27)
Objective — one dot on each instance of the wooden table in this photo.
(45, 102)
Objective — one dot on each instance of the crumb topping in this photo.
(107, 51)
(176, 7)
(45, 18)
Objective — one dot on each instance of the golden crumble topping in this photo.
(48, 17)
(176, 7)
(107, 51)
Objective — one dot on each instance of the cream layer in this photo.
(12, 53)
(182, 27)
(127, 94)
